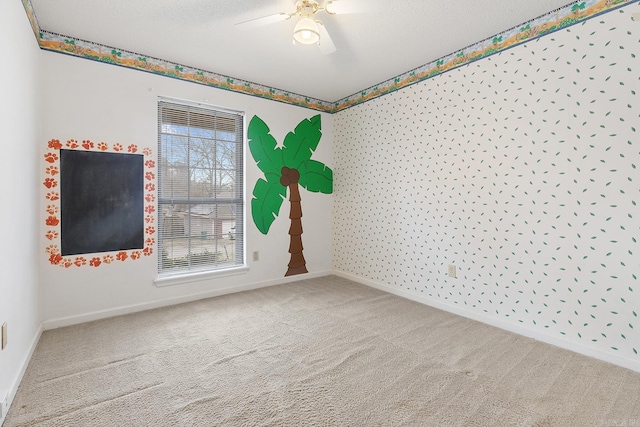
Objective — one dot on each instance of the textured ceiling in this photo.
(385, 40)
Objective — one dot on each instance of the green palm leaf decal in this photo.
(300, 144)
(267, 200)
(316, 177)
(286, 170)
(263, 147)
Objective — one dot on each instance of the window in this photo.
(200, 189)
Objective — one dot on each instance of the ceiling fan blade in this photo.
(265, 20)
(337, 7)
(325, 45)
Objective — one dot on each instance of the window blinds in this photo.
(200, 188)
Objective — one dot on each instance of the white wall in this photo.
(84, 99)
(19, 174)
(521, 169)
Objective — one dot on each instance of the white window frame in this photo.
(234, 202)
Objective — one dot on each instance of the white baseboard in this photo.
(118, 311)
(480, 317)
(23, 368)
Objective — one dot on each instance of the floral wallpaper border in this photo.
(574, 13)
(52, 196)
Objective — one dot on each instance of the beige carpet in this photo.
(319, 352)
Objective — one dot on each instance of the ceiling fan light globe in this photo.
(306, 31)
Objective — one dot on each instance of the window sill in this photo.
(178, 279)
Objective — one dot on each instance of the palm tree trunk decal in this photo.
(287, 168)
(297, 264)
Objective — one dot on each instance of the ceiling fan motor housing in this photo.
(307, 8)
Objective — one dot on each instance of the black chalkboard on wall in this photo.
(101, 202)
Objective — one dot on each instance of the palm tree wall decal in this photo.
(287, 167)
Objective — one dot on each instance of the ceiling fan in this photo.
(308, 30)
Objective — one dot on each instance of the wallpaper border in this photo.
(556, 20)
(574, 13)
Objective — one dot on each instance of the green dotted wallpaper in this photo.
(522, 170)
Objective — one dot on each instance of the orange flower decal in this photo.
(147, 152)
(150, 198)
(150, 187)
(55, 144)
(52, 209)
(108, 259)
(132, 148)
(150, 164)
(149, 219)
(150, 176)
(55, 258)
(72, 143)
(52, 170)
(66, 263)
(150, 241)
(147, 251)
(150, 209)
(136, 255)
(52, 221)
(80, 261)
(51, 235)
(51, 157)
(121, 256)
(102, 146)
(52, 249)
(95, 262)
(50, 183)
(117, 147)
(86, 144)
(53, 195)
(150, 230)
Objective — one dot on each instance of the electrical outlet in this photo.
(4, 335)
(452, 270)
(256, 256)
